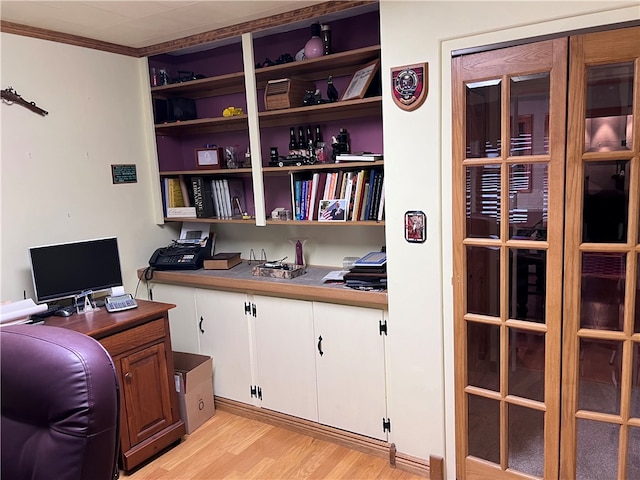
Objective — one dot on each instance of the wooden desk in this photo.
(139, 342)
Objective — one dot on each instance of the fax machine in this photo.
(178, 257)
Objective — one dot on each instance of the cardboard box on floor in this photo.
(194, 384)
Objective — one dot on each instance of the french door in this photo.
(547, 334)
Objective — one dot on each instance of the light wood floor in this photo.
(232, 447)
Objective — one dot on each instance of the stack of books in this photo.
(368, 272)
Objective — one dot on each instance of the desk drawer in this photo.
(134, 338)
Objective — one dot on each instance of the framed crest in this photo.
(410, 85)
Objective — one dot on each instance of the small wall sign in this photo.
(410, 85)
(124, 173)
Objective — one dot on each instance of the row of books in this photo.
(362, 193)
(201, 197)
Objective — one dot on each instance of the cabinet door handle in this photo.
(200, 325)
(320, 345)
(128, 376)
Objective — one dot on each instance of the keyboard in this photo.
(119, 303)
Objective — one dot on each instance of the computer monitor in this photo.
(62, 270)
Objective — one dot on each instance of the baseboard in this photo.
(343, 438)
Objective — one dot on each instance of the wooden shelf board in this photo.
(337, 64)
(243, 172)
(300, 223)
(203, 87)
(321, 166)
(321, 113)
(365, 107)
(203, 125)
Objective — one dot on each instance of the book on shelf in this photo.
(381, 205)
(181, 212)
(215, 197)
(202, 200)
(237, 199)
(186, 194)
(371, 259)
(369, 197)
(363, 201)
(359, 157)
(176, 198)
(297, 199)
(226, 198)
(303, 200)
(313, 204)
(357, 197)
(375, 195)
(219, 195)
(222, 261)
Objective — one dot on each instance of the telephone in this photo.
(178, 257)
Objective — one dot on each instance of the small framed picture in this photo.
(332, 210)
(361, 81)
(415, 226)
(209, 158)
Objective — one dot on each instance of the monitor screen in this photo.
(66, 269)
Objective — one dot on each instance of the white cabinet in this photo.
(350, 365)
(182, 319)
(285, 358)
(224, 335)
(317, 361)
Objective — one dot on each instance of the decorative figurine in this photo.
(332, 91)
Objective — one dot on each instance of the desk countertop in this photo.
(240, 279)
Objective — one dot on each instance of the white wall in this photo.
(417, 167)
(56, 181)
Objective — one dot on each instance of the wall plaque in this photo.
(124, 173)
(410, 85)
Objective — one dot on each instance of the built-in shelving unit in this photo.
(180, 138)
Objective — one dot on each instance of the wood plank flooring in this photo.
(233, 447)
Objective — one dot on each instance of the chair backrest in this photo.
(60, 405)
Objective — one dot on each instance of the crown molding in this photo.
(301, 14)
(53, 36)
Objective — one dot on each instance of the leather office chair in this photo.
(60, 405)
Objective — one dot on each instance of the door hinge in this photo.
(254, 310)
(256, 392)
(386, 425)
(383, 327)
(247, 308)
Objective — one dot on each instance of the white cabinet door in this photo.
(350, 364)
(182, 319)
(285, 358)
(224, 335)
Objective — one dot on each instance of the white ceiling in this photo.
(139, 24)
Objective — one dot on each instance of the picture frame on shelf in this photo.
(360, 81)
(209, 158)
(332, 210)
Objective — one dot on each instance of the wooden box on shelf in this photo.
(286, 93)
